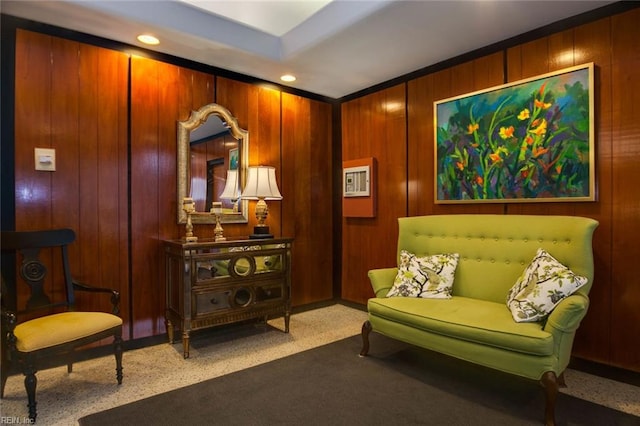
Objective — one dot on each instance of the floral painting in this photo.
(530, 140)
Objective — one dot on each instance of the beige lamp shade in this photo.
(231, 189)
(261, 184)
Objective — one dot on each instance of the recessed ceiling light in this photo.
(288, 78)
(148, 39)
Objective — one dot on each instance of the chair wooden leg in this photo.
(550, 383)
(117, 349)
(366, 329)
(30, 383)
(3, 374)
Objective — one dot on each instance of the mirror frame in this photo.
(184, 162)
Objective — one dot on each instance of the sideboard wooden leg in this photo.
(169, 327)
(185, 344)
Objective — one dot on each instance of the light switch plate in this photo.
(45, 159)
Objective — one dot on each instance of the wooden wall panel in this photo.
(374, 126)
(161, 95)
(145, 278)
(72, 98)
(608, 332)
(306, 187)
(103, 171)
(625, 93)
(258, 111)
(32, 130)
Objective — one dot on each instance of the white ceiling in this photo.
(335, 48)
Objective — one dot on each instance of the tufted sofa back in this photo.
(495, 249)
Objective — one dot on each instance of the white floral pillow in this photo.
(426, 277)
(542, 285)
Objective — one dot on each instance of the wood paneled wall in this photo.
(374, 126)
(112, 119)
(72, 97)
(609, 334)
(306, 185)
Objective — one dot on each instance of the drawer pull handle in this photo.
(214, 301)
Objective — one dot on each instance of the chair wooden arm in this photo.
(9, 322)
(115, 295)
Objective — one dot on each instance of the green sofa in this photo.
(475, 324)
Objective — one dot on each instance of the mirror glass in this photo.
(212, 165)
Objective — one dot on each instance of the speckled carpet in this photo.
(331, 385)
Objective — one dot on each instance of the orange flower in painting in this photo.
(528, 140)
(495, 157)
(540, 104)
(541, 129)
(542, 88)
(524, 114)
(539, 151)
(460, 165)
(472, 128)
(524, 173)
(506, 132)
(479, 180)
(559, 168)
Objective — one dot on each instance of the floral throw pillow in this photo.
(542, 285)
(427, 277)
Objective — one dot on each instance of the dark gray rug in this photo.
(396, 384)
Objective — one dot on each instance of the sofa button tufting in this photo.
(555, 241)
(508, 262)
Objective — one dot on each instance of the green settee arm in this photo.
(563, 322)
(382, 280)
(566, 317)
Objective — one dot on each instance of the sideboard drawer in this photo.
(211, 302)
(269, 293)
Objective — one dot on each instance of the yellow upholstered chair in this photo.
(46, 329)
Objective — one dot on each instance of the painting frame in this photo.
(530, 140)
(234, 158)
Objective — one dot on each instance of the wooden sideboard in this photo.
(210, 283)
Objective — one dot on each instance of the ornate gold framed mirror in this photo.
(213, 153)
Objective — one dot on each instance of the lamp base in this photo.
(260, 232)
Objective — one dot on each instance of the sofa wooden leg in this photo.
(366, 329)
(561, 381)
(550, 383)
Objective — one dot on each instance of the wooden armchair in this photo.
(48, 328)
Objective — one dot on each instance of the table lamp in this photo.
(231, 189)
(261, 186)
